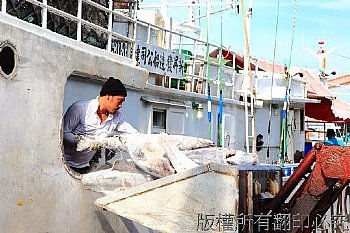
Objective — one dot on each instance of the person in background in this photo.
(332, 140)
(259, 142)
(98, 117)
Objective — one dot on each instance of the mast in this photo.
(321, 53)
(164, 8)
(248, 85)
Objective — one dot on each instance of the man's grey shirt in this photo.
(81, 119)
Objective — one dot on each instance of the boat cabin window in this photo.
(302, 120)
(159, 120)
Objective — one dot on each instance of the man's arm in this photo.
(70, 122)
(125, 127)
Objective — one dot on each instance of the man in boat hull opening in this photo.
(94, 118)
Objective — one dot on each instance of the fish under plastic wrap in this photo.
(148, 155)
(109, 180)
(210, 155)
(153, 155)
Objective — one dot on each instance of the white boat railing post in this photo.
(134, 38)
(218, 74)
(193, 64)
(206, 84)
(168, 33)
(3, 6)
(164, 39)
(148, 33)
(110, 25)
(233, 74)
(79, 14)
(205, 80)
(171, 34)
(180, 52)
(44, 14)
(207, 47)
(180, 43)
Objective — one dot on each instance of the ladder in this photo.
(250, 130)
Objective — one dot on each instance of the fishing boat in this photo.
(53, 53)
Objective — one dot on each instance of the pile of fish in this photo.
(152, 156)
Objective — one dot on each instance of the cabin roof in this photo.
(338, 81)
(263, 65)
(331, 108)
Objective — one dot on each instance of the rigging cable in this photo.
(220, 84)
(272, 82)
(286, 101)
(293, 33)
(339, 55)
(208, 69)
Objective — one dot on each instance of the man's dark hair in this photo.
(113, 87)
(330, 133)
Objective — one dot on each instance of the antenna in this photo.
(321, 56)
(321, 53)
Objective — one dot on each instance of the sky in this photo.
(316, 20)
(313, 20)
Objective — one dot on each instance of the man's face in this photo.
(115, 103)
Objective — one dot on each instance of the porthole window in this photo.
(8, 60)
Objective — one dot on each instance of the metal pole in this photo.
(218, 75)
(171, 34)
(164, 8)
(193, 64)
(295, 178)
(110, 25)
(44, 14)
(3, 6)
(253, 128)
(189, 4)
(79, 14)
(345, 133)
(207, 91)
(233, 73)
(134, 34)
(248, 80)
(148, 33)
(206, 15)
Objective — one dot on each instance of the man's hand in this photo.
(95, 143)
(87, 142)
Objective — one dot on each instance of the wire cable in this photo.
(339, 55)
(272, 82)
(220, 86)
(286, 101)
(208, 70)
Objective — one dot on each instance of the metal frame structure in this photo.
(81, 22)
(179, 39)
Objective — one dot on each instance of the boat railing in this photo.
(196, 62)
(114, 39)
(80, 22)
